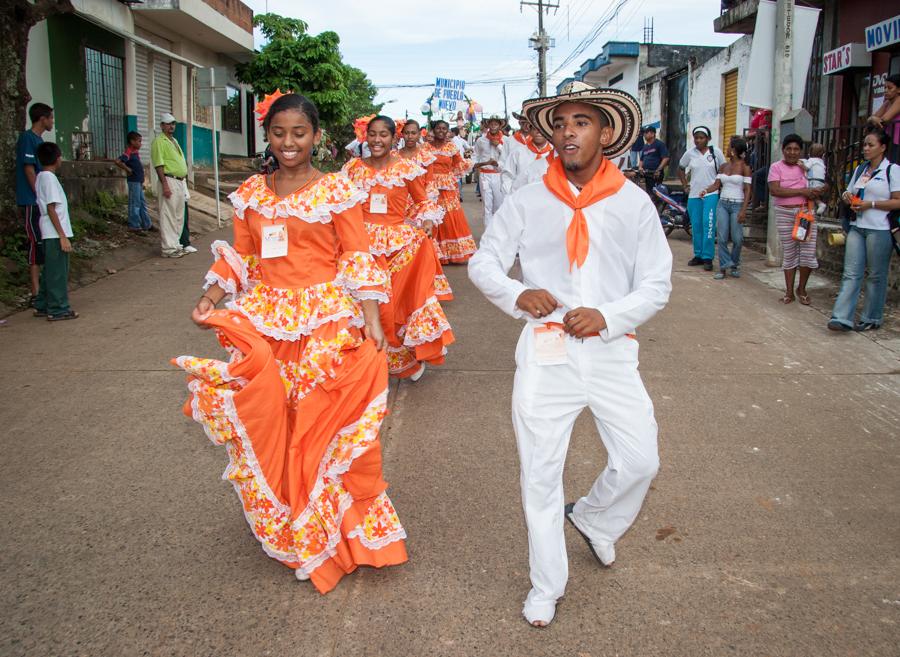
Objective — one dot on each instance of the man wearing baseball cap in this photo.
(171, 169)
(595, 266)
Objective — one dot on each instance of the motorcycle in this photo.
(674, 209)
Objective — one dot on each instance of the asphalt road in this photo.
(773, 527)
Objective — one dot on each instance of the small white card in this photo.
(550, 345)
(378, 203)
(274, 241)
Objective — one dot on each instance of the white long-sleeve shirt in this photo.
(485, 150)
(514, 164)
(532, 173)
(627, 273)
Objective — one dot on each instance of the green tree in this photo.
(294, 60)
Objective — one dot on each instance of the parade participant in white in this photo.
(488, 150)
(595, 265)
(516, 161)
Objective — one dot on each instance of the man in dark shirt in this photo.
(654, 158)
(27, 169)
(130, 163)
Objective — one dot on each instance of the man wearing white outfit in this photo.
(517, 160)
(595, 266)
(488, 151)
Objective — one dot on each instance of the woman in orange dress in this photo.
(413, 150)
(454, 237)
(415, 326)
(300, 403)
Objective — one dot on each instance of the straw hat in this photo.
(620, 108)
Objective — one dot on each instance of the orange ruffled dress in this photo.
(453, 236)
(299, 405)
(426, 160)
(414, 322)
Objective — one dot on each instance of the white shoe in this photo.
(300, 575)
(174, 254)
(189, 249)
(605, 553)
(419, 374)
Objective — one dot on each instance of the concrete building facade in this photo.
(112, 67)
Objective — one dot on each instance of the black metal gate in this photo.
(106, 106)
(676, 113)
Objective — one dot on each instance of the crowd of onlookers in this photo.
(720, 187)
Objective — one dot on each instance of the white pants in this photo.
(171, 215)
(491, 194)
(546, 402)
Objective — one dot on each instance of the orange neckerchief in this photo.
(519, 138)
(606, 182)
(538, 152)
(496, 141)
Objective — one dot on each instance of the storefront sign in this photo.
(850, 55)
(883, 33)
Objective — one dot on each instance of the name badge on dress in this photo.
(550, 344)
(274, 241)
(378, 203)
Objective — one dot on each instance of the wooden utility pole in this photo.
(540, 41)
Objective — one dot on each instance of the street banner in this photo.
(759, 88)
(449, 92)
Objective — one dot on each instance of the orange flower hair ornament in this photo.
(400, 123)
(262, 107)
(361, 126)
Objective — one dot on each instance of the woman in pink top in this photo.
(788, 187)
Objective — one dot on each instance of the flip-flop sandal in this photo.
(804, 299)
(569, 510)
(786, 299)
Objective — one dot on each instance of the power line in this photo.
(601, 24)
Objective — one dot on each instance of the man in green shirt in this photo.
(171, 169)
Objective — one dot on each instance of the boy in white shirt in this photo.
(56, 230)
(814, 166)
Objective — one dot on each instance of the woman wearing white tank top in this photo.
(733, 185)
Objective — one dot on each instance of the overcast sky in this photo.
(408, 42)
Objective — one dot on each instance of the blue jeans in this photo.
(137, 207)
(702, 212)
(729, 230)
(865, 247)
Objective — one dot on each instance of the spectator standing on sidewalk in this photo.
(702, 164)
(130, 163)
(887, 116)
(27, 168)
(171, 167)
(56, 230)
(733, 185)
(874, 193)
(654, 158)
(791, 192)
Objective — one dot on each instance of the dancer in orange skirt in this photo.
(413, 150)
(454, 237)
(299, 405)
(416, 328)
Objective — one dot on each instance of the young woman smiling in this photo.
(415, 325)
(300, 403)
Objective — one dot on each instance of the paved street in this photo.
(772, 529)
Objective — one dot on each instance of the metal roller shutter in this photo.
(162, 85)
(729, 123)
(141, 81)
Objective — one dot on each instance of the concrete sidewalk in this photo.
(772, 529)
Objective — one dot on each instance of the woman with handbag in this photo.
(874, 197)
(790, 191)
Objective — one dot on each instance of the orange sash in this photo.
(496, 141)
(606, 182)
(538, 152)
(519, 138)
